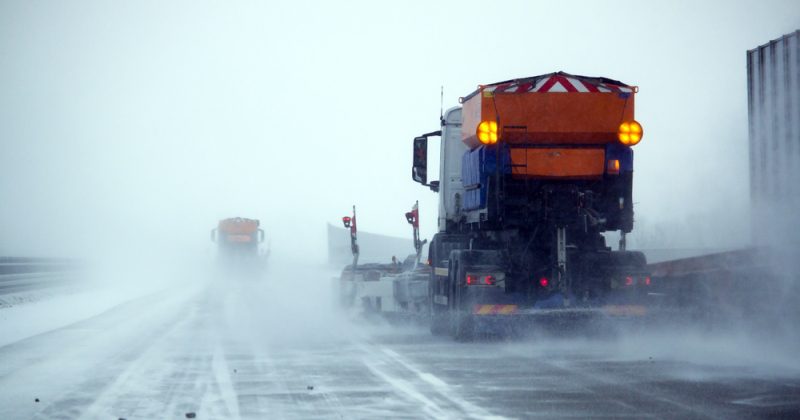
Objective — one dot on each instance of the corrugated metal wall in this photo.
(773, 85)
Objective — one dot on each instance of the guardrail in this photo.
(25, 274)
(741, 284)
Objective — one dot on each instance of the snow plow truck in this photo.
(239, 242)
(533, 171)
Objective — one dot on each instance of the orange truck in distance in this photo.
(239, 238)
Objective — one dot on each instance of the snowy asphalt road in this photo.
(243, 349)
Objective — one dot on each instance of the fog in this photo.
(130, 129)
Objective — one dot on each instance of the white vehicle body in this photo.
(376, 292)
(451, 189)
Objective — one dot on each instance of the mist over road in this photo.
(276, 347)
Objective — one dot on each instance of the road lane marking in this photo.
(442, 388)
(431, 408)
(223, 378)
(461, 407)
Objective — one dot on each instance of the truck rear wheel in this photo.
(462, 325)
(438, 313)
(438, 320)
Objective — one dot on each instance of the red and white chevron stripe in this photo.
(557, 83)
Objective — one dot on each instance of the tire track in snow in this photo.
(451, 405)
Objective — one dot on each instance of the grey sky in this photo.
(134, 125)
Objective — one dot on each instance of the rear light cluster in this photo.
(634, 280)
(482, 279)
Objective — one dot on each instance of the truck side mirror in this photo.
(419, 172)
(213, 235)
(261, 235)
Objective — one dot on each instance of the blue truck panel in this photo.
(473, 178)
(477, 164)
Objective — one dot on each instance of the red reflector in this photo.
(544, 282)
(488, 280)
(471, 279)
(647, 280)
(629, 281)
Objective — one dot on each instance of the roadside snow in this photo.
(29, 318)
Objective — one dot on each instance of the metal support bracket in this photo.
(561, 257)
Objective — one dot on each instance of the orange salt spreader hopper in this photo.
(238, 226)
(555, 125)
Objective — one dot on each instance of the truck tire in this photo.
(462, 325)
(438, 320)
(437, 314)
